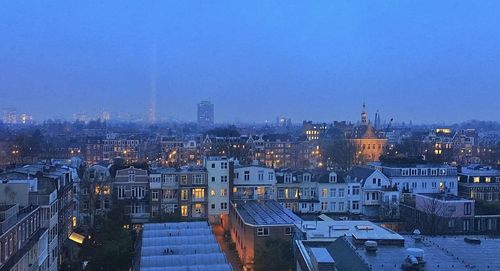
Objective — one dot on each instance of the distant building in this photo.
(9, 116)
(480, 183)
(369, 144)
(205, 114)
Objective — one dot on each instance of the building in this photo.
(131, 190)
(128, 148)
(23, 238)
(480, 183)
(95, 194)
(371, 193)
(253, 222)
(9, 116)
(439, 214)
(418, 177)
(252, 182)
(181, 246)
(205, 114)
(315, 131)
(218, 187)
(315, 191)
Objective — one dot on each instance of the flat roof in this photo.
(450, 253)
(265, 213)
(359, 229)
(181, 246)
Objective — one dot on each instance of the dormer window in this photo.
(306, 178)
(288, 178)
(332, 178)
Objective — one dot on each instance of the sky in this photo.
(425, 61)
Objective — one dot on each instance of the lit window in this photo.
(199, 193)
(476, 179)
(212, 192)
(184, 210)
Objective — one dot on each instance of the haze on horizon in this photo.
(425, 61)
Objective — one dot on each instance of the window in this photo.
(223, 205)
(341, 192)
(223, 179)
(355, 205)
(169, 179)
(306, 178)
(223, 165)
(106, 203)
(131, 176)
(223, 192)
(467, 208)
(333, 206)
(198, 179)
(262, 231)
(434, 171)
(355, 190)
(261, 175)
(487, 179)
(212, 206)
(138, 192)
(414, 172)
(324, 192)
(451, 223)
(184, 179)
(333, 191)
(121, 192)
(199, 193)
(405, 172)
(341, 206)
(324, 206)
(184, 210)
(154, 195)
(184, 195)
(213, 179)
(270, 176)
(213, 166)
(246, 175)
(374, 181)
(288, 231)
(212, 192)
(476, 179)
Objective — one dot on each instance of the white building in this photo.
(421, 178)
(253, 182)
(370, 191)
(218, 189)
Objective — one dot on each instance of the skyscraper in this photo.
(205, 114)
(377, 120)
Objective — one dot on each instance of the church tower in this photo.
(364, 116)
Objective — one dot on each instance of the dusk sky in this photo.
(425, 61)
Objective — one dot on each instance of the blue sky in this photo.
(425, 61)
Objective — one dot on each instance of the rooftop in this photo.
(450, 253)
(329, 230)
(443, 196)
(264, 213)
(181, 246)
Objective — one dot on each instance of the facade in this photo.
(130, 149)
(418, 178)
(95, 197)
(23, 238)
(131, 187)
(253, 222)
(178, 193)
(252, 183)
(439, 214)
(481, 183)
(372, 194)
(205, 114)
(218, 188)
(315, 191)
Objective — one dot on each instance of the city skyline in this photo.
(307, 62)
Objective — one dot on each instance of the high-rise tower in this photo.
(205, 114)
(364, 115)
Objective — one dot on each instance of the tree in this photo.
(275, 255)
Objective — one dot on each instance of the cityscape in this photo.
(249, 137)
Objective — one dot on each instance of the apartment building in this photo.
(418, 178)
(218, 188)
(481, 183)
(252, 182)
(131, 187)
